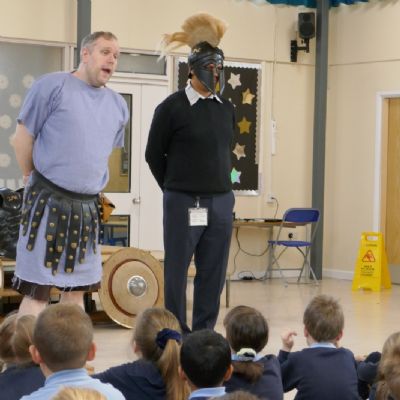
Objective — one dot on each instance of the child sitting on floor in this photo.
(247, 334)
(157, 341)
(323, 370)
(205, 364)
(62, 343)
(21, 375)
(387, 386)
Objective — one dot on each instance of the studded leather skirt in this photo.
(71, 226)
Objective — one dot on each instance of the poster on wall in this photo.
(242, 82)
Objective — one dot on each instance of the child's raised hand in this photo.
(288, 340)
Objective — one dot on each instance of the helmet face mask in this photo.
(207, 63)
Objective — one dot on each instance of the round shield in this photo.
(132, 281)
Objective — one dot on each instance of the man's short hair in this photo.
(323, 318)
(205, 358)
(63, 336)
(89, 40)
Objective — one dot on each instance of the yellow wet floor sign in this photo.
(371, 270)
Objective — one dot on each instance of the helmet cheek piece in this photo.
(200, 61)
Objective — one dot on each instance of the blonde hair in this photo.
(237, 395)
(200, 27)
(388, 382)
(15, 338)
(77, 393)
(7, 329)
(149, 323)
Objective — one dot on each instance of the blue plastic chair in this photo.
(294, 218)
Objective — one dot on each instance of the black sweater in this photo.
(189, 147)
(320, 373)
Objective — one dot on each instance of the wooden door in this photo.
(391, 194)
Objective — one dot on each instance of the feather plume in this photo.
(201, 27)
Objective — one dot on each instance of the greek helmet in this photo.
(202, 33)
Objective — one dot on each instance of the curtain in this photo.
(313, 3)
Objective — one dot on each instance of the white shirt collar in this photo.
(328, 345)
(208, 392)
(194, 96)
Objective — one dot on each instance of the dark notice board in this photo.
(241, 88)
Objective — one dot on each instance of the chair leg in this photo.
(306, 263)
(267, 273)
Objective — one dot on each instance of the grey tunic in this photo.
(75, 127)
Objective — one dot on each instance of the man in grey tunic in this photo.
(67, 127)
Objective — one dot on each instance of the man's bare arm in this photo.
(22, 141)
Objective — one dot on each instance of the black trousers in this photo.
(210, 247)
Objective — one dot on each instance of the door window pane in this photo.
(115, 232)
(141, 64)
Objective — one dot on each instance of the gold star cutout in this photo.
(244, 126)
(247, 97)
(239, 151)
(234, 80)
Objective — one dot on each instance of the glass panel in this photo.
(119, 164)
(141, 64)
(115, 232)
(20, 65)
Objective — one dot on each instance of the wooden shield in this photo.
(132, 281)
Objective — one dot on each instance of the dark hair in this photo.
(323, 318)
(246, 328)
(205, 358)
(63, 336)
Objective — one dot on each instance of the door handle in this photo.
(136, 200)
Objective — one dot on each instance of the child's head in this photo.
(247, 333)
(206, 359)
(15, 338)
(63, 337)
(246, 328)
(78, 393)
(389, 368)
(7, 330)
(157, 338)
(323, 319)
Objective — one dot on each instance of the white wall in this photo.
(50, 20)
(364, 60)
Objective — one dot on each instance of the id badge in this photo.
(198, 216)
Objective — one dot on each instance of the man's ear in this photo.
(92, 352)
(85, 54)
(228, 373)
(36, 357)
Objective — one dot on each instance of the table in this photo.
(265, 225)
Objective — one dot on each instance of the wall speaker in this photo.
(306, 25)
